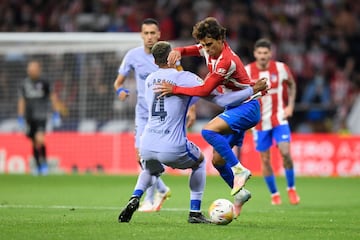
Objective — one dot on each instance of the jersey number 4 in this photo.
(158, 103)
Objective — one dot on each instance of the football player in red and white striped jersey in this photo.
(276, 107)
(226, 74)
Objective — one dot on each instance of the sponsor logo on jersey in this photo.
(221, 71)
(158, 131)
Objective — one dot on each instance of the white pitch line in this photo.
(80, 207)
(112, 208)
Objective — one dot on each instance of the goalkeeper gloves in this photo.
(21, 122)
(56, 119)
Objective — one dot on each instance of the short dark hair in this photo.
(263, 42)
(161, 51)
(209, 27)
(150, 21)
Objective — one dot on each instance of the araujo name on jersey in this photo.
(159, 81)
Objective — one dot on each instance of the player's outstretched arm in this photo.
(210, 83)
(238, 97)
(232, 98)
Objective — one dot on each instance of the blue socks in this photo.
(221, 145)
(145, 179)
(290, 177)
(138, 193)
(226, 173)
(195, 205)
(270, 182)
(197, 184)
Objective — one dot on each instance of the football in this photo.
(221, 212)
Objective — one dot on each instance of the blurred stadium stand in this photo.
(317, 39)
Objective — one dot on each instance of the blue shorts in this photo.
(264, 139)
(240, 119)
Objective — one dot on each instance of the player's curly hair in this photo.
(209, 27)
(161, 51)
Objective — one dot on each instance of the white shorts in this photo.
(153, 161)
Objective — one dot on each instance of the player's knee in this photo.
(265, 157)
(39, 143)
(199, 163)
(217, 160)
(284, 148)
(202, 164)
(285, 155)
(267, 166)
(39, 138)
(156, 172)
(201, 158)
(287, 161)
(154, 167)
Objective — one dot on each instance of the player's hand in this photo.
(288, 111)
(261, 85)
(173, 57)
(260, 88)
(21, 122)
(122, 93)
(122, 96)
(164, 89)
(56, 119)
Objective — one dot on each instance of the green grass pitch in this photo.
(87, 207)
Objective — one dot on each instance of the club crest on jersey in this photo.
(273, 78)
(221, 71)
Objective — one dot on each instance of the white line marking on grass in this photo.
(112, 208)
(80, 207)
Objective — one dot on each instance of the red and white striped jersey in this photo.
(272, 105)
(226, 73)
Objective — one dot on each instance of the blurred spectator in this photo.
(316, 101)
(354, 116)
(309, 35)
(166, 22)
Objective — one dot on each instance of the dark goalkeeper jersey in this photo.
(37, 98)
